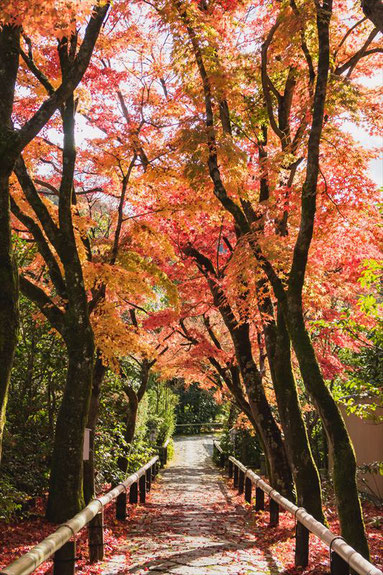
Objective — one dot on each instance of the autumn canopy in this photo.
(184, 188)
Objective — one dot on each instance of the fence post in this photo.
(274, 512)
(302, 535)
(241, 481)
(222, 459)
(230, 469)
(163, 452)
(64, 560)
(142, 482)
(121, 506)
(259, 499)
(235, 475)
(96, 537)
(148, 479)
(338, 565)
(133, 493)
(154, 470)
(248, 488)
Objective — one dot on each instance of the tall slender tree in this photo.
(12, 143)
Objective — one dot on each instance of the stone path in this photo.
(190, 526)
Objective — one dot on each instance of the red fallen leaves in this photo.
(280, 540)
(16, 539)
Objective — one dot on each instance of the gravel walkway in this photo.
(190, 525)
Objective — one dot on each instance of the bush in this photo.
(161, 420)
(38, 380)
(243, 444)
(12, 501)
(196, 405)
(155, 423)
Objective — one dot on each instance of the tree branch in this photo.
(361, 53)
(38, 206)
(33, 126)
(43, 247)
(28, 59)
(309, 189)
(38, 296)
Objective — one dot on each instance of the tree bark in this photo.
(373, 9)
(344, 459)
(305, 472)
(134, 399)
(280, 475)
(66, 479)
(130, 424)
(270, 435)
(342, 452)
(66, 482)
(12, 142)
(9, 310)
(131, 417)
(94, 407)
(9, 62)
(344, 463)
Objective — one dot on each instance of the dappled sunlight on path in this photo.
(190, 525)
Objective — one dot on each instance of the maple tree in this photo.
(108, 268)
(16, 19)
(214, 224)
(301, 461)
(290, 127)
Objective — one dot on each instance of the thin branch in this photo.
(34, 293)
(33, 126)
(43, 246)
(348, 33)
(361, 53)
(267, 84)
(38, 206)
(28, 59)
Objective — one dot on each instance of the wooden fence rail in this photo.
(61, 544)
(163, 453)
(342, 556)
(203, 424)
(186, 426)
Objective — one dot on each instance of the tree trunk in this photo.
(342, 452)
(9, 292)
(94, 406)
(232, 379)
(66, 481)
(130, 423)
(131, 420)
(280, 474)
(305, 472)
(270, 435)
(232, 416)
(343, 455)
(9, 314)
(373, 9)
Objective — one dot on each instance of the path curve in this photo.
(190, 525)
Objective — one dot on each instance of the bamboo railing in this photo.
(61, 544)
(342, 556)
